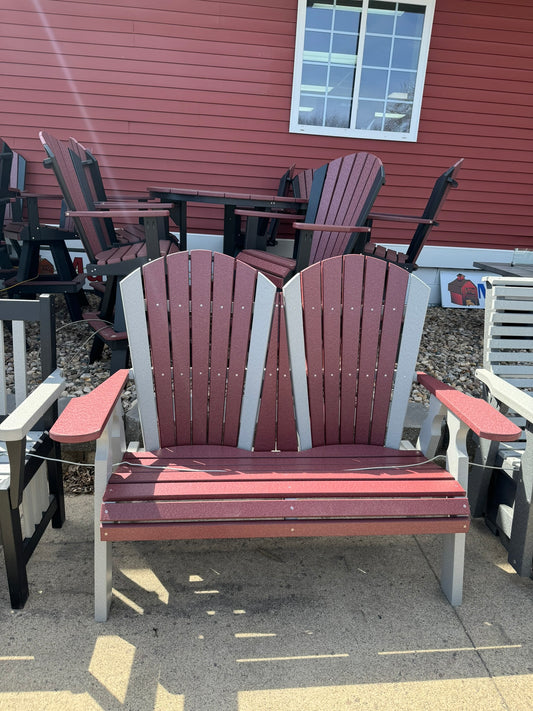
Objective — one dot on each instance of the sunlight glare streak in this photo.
(480, 693)
(147, 580)
(70, 81)
(165, 701)
(111, 664)
(452, 649)
(297, 658)
(127, 601)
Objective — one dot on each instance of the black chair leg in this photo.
(55, 484)
(119, 357)
(97, 349)
(11, 531)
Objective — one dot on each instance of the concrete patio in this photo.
(262, 625)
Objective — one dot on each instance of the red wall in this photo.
(198, 93)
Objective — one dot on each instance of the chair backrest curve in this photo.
(198, 329)
(354, 325)
(350, 187)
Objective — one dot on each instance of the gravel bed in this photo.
(451, 350)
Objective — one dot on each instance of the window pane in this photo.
(370, 115)
(311, 110)
(373, 84)
(380, 17)
(344, 48)
(317, 42)
(319, 15)
(341, 81)
(338, 113)
(314, 78)
(405, 53)
(402, 85)
(410, 21)
(377, 51)
(398, 117)
(348, 16)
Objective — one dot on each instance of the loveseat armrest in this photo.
(84, 418)
(481, 417)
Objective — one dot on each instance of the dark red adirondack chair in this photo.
(110, 255)
(426, 222)
(341, 196)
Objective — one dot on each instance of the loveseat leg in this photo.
(103, 563)
(452, 571)
(109, 450)
(11, 538)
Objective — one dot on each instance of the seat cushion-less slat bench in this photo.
(214, 346)
(259, 494)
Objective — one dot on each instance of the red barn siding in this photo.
(198, 93)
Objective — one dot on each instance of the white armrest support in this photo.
(508, 394)
(23, 418)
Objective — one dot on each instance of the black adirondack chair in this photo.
(426, 222)
(12, 172)
(25, 271)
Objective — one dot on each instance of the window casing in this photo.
(359, 67)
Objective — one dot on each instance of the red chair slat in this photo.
(179, 297)
(393, 304)
(311, 290)
(375, 274)
(158, 328)
(223, 273)
(352, 286)
(331, 314)
(244, 289)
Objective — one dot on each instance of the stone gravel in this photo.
(451, 350)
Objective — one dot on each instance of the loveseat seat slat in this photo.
(281, 508)
(283, 488)
(284, 529)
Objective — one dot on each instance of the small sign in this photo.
(462, 290)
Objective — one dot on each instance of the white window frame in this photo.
(351, 131)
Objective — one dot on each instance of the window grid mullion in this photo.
(359, 64)
(389, 70)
